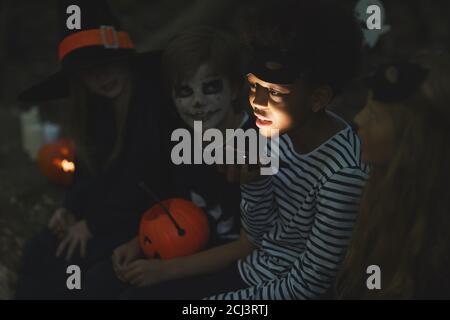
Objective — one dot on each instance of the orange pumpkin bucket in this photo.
(173, 228)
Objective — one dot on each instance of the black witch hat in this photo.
(99, 40)
(395, 82)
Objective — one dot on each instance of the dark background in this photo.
(28, 41)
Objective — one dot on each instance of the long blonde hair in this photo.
(404, 220)
(81, 101)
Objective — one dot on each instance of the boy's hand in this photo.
(77, 235)
(60, 221)
(125, 254)
(240, 173)
(146, 272)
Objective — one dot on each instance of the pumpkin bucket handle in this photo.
(181, 231)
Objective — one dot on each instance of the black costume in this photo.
(220, 200)
(110, 200)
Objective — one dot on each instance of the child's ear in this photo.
(321, 98)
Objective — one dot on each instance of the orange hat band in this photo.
(106, 36)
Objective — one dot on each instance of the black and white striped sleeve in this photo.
(314, 270)
(258, 208)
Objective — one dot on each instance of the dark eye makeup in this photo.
(183, 91)
(209, 87)
(212, 87)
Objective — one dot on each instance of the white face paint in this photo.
(206, 97)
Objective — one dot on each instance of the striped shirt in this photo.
(301, 220)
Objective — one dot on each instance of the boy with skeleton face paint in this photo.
(206, 97)
(202, 70)
(203, 75)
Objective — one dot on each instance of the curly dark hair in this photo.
(322, 34)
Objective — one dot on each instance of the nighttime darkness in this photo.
(224, 150)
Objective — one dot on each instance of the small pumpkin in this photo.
(56, 161)
(173, 228)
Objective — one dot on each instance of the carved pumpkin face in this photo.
(159, 237)
(56, 161)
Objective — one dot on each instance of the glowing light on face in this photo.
(270, 104)
(206, 97)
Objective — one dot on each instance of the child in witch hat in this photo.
(404, 219)
(117, 125)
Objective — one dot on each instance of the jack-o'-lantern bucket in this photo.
(173, 228)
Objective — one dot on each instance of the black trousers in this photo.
(102, 283)
(42, 275)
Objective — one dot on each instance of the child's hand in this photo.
(145, 272)
(240, 173)
(77, 235)
(124, 254)
(60, 221)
